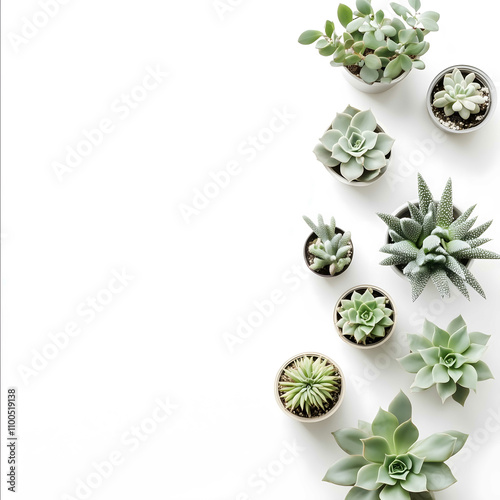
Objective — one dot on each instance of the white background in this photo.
(195, 276)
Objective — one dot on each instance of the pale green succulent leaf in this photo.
(412, 363)
(415, 482)
(350, 440)
(361, 494)
(367, 477)
(375, 449)
(345, 471)
(446, 389)
(418, 342)
(461, 440)
(423, 379)
(460, 340)
(404, 436)
(400, 407)
(436, 448)
(461, 395)
(483, 371)
(469, 377)
(384, 424)
(395, 492)
(439, 476)
(344, 14)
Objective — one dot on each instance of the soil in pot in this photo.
(310, 257)
(455, 121)
(369, 341)
(315, 412)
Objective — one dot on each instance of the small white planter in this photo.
(372, 88)
(333, 409)
(483, 78)
(377, 292)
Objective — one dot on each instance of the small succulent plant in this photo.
(330, 250)
(387, 461)
(431, 245)
(380, 48)
(353, 145)
(460, 95)
(365, 317)
(449, 359)
(311, 385)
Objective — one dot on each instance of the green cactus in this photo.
(382, 48)
(388, 462)
(449, 359)
(312, 382)
(365, 317)
(330, 250)
(431, 245)
(353, 145)
(460, 95)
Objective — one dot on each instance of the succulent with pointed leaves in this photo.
(311, 384)
(380, 48)
(460, 95)
(365, 317)
(331, 250)
(449, 359)
(388, 462)
(430, 245)
(353, 146)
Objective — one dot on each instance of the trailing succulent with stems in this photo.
(365, 317)
(312, 383)
(387, 461)
(429, 244)
(381, 48)
(449, 359)
(331, 250)
(460, 95)
(353, 145)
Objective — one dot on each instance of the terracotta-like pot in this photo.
(318, 418)
(325, 274)
(372, 88)
(377, 292)
(482, 78)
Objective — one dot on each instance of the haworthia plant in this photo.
(460, 95)
(383, 48)
(353, 145)
(365, 317)
(311, 385)
(330, 250)
(449, 359)
(388, 461)
(431, 245)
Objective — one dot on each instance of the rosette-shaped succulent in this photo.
(430, 244)
(365, 316)
(312, 383)
(353, 145)
(460, 95)
(331, 250)
(387, 461)
(449, 359)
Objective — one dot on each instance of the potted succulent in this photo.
(376, 52)
(355, 149)
(461, 99)
(365, 316)
(309, 387)
(328, 250)
(449, 359)
(430, 243)
(387, 461)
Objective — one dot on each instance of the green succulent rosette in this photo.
(365, 317)
(387, 461)
(449, 359)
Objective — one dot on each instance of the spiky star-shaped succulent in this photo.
(449, 359)
(312, 383)
(431, 245)
(387, 462)
(365, 316)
